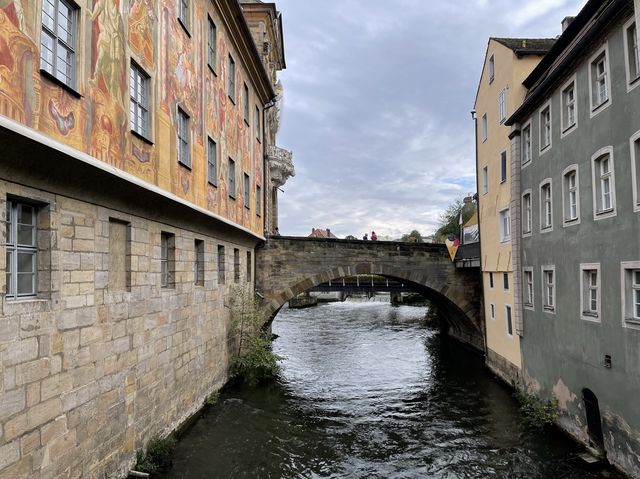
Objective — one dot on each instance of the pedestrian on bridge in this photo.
(374, 236)
(365, 237)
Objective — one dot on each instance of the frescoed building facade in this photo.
(507, 63)
(135, 138)
(576, 144)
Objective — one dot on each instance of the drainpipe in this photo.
(474, 117)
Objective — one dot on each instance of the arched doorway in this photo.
(594, 421)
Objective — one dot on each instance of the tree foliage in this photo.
(252, 359)
(413, 237)
(450, 219)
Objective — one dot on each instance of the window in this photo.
(507, 310)
(184, 141)
(491, 280)
(631, 52)
(631, 293)
(245, 102)
(570, 195)
(183, 13)
(528, 288)
(492, 311)
(526, 144)
(635, 169)
(503, 167)
(505, 225)
(21, 250)
(546, 206)
(599, 80)
(256, 124)
(549, 287)
(590, 287)
(231, 79)
(258, 200)
(485, 180)
(58, 40)
(236, 265)
(604, 198)
(212, 162)
(231, 178)
(247, 190)
(484, 128)
(545, 128)
(526, 213)
(505, 281)
(167, 260)
(492, 69)
(502, 105)
(198, 262)
(249, 264)
(119, 273)
(212, 41)
(569, 107)
(139, 108)
(222, 277)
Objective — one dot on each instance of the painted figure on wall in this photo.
(142, 21)
(108, 34)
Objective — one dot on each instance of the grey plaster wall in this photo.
(562, 353)
(287, 266)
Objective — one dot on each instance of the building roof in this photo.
(572, 45)
(320, 233)
(527, 46)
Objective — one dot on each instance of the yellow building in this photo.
(507, 63)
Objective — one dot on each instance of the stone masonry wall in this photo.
(87, 375)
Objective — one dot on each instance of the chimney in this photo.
(328, 233)
(566, 21)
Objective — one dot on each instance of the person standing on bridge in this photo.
(365, 237)
(374, 236)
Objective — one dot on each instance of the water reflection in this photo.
(367, 392)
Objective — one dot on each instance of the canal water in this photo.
(368, 392)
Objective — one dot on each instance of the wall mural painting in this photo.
(142, 30)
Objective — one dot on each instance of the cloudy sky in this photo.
(377, 102)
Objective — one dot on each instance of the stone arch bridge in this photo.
(288, 266)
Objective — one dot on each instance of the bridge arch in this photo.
(288, 266)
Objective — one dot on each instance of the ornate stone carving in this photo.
(280, 163)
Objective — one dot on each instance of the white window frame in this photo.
(502, 105)
(492, 311)
(525, 289)
(14, 249)
(542, 126)
(595, 109)
(504, 173)
(485, 128)
(632, 81)
(586, 288)
(492, 68)
(485, 179)
(139, 100)
(183, 137)
(566, 195)
(546, 307)
(598, 178)
(627, 299)
(527, 158)
(505, 232)
(508, 315)
(544, 228)
(635, 169)
(505, 276)
(527, 215)
(491, 280)
(198, 262)
(569, 128)
(69, 45)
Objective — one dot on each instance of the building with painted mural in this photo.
(507, 63)
(576, 149)
(138, 172)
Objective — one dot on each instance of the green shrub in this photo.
(537, 413)
(158, 455)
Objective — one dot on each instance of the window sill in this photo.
(528, 305)
(60, 83)
(549, 309)
(546, 229)
(590, 314)
(632, 321)
(212, 70)
(184, 27)
(184, 165)
(545, 148)
(212, 184)
(604, 214)
(232, 99)
(247, 207)
(246, 122)
(503, 181)
(572, 221)
(27, 304)
(140, 136)
(232, 197)
(598, 108)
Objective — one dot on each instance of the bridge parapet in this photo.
(288, 266)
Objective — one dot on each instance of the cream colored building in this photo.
(508, 62)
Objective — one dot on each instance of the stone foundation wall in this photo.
(88, 375)
(504, 369)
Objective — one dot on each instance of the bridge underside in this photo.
(287, 267)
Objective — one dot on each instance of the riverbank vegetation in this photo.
(157, 457)
(537, 413)
(252, 358)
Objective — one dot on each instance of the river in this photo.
(368, 392)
